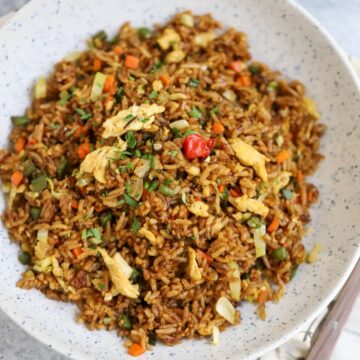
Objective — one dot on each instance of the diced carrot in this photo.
(83, 150)
(237, 66)
(273, 225)
(244, 80)
(218, 128)
(263, 296)
(297, 199)
(221, 188)
(118, 50)
(197, 198)
(109, 83)
(165, 79)
(299, 176)
(309, 196)
(234, 193)
(145, 195)
(20, 144)
(282, 156)
(98, 207)
(136, 350)
(97, 64)
(32, 141)
(74, 204)
(17, 177)
(132, 62)
(79, 131)
(205, 256)
(77, 251)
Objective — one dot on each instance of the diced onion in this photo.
(97, 86)
(179, 124)
(235, 284)
(40, 88)
(229, 95)
(137, 188)
(143, 168)
(260, 244)
(216, 335)
(225, 309)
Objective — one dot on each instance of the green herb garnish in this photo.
(254, 69)
(83, 114)
(195, 113)
(105, 218)
(119, 94)
(129, 117)
(153, 94)
(62, 168)
(273, 86)
(156, 67)
(144, 33)
(288, 194)
(130, 139)
(173, 153)
(193, 83)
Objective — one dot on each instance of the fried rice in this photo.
(159, 179)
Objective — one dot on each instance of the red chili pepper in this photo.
(195, 146)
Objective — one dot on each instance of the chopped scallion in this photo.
(130, 201)
(136, 225)
(144, 33)
(165, 190)
(193, 83)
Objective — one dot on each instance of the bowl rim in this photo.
(58, 346)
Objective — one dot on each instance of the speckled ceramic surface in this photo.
(281, 35)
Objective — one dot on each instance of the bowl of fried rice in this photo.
(179, 179)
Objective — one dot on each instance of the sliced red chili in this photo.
(195, 146)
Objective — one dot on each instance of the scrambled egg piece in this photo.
(175, 56)
(199, 208)
(155, 240)
(310, 107)
(281, 181)
(203, 39)
(119, 279)
(56, 269)
(193, 269)
(243, 204)
(136, 117)
(168, 38)
(98, 160)
(249, 156)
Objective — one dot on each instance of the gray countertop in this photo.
(339, 17)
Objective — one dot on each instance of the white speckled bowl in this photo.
(280, 34)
